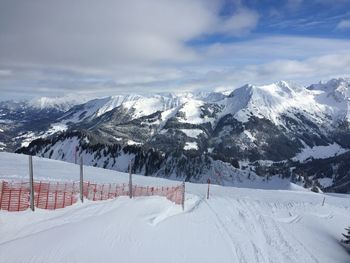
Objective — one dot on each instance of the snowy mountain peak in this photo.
(59, 103)
(267, 101)
(246, 89)
(263, 101)
(340, 88)
(112, 102)
(334, 97)
(332, 85)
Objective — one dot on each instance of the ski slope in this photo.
(234, 225)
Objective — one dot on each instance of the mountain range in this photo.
(281, 129)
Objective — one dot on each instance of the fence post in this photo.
(130, 179)
(183, 195)
(208, 188)
(31, 183)
(76, 149)
(81, 180)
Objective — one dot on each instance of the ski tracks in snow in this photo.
(254, 234)
(224, 231)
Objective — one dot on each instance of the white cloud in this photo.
(79, 45)
(304, 71)
(343, 25)
(273, 48)
(5, 73)
(122, 46)
(190, 78)
(109, 33)
(240, 23)
(101, 33)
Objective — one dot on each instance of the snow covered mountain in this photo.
(59, 103)
(264, 130)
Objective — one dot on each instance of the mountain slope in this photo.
(234, 225)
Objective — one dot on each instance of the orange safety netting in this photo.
(14, 196)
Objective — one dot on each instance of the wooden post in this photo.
(324, 199)
(208, 188)
(81, 180)
(130, 179)
(183, 195)
(31, 183)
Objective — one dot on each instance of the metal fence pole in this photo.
(208, 188)
(31, 183)
(81, 180)
(75, 155)
(76, 149)
(130, 179)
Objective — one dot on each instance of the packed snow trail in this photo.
(154, 230)
(249, 241)
(234, 225)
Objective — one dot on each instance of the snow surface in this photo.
(320, 152)
(55, 127)
(131, 142)
(27, 138)
(249, 135)
(193, 133)
(5, 121)
(190, 146)
(325, 182)
(146, 106)
(234, 225)
(319, 103)
(2, 146)
(138, 105)
(63, 103)
(268, 101)
(191, 110)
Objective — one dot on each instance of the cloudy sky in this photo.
(109, 47)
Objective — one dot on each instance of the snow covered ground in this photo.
(320, 152)
(234, 225)
(2, 146)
